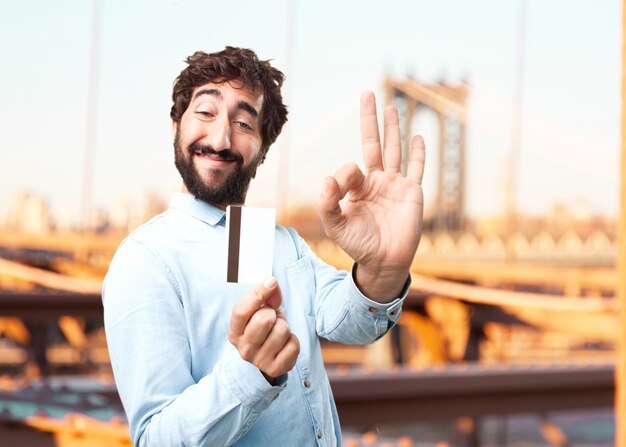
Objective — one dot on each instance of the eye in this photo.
(243, 125)
(204, 113)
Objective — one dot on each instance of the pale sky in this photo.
(571, 92)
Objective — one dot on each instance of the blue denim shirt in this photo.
(167, 309)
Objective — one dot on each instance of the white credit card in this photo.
(250, 248)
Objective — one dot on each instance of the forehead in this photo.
(229, 91)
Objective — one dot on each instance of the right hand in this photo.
(260, 332)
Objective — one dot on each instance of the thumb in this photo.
(272, 292)
(328, 207)
(265, 294)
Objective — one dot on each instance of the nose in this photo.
(219, 134)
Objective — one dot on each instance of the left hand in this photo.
(381, 222)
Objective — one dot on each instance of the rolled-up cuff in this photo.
(247, 383)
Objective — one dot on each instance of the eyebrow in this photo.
(241, 105)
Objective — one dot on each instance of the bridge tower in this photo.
(449, 103)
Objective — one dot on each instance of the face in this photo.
(218, 142)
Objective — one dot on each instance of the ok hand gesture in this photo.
(380, 224)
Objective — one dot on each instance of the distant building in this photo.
(30, 214)
(120, 214)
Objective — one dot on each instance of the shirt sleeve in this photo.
(151, 359)
(342, 313)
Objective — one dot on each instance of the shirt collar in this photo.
(188, 204)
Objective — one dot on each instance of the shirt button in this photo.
(307, 384)
(319, 434)
(371, 309)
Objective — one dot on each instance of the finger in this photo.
(275, 297)
(280, 313)
(349, 178)
(328, 205)
(417, 158)
(273, 343)
(286, 359)
(267, 293)
(259, 326)
(370, 137)
(392, 147)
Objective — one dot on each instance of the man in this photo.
(202, 362)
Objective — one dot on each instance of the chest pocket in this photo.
(301, 277)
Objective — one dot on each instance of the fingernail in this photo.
(269, 282)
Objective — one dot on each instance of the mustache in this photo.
(224, 154)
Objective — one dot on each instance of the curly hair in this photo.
(230, 64)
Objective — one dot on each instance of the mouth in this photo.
(210, 157)
(215, 156)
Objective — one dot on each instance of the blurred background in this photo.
(509, 334)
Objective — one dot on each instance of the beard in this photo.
(232, 189)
